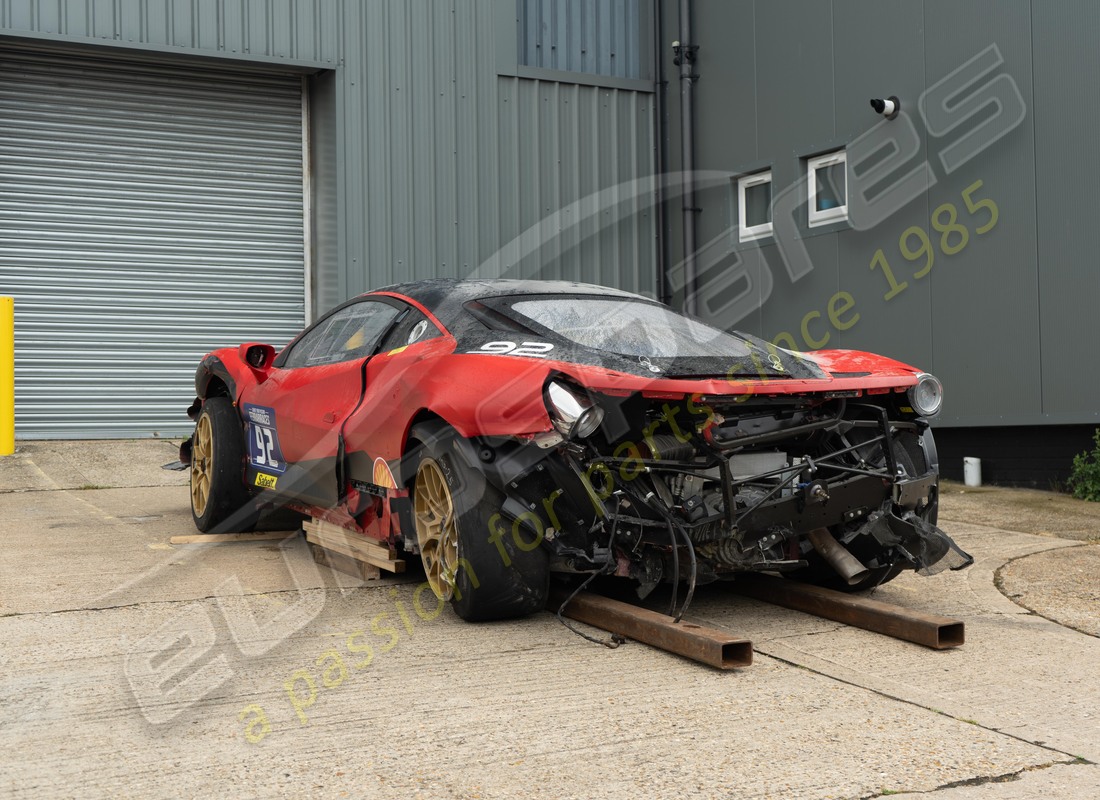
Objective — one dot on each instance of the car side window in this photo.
(414, 327)
(351, 333)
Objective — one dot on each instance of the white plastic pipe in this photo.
(972, 471)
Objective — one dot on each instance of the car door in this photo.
(295, 417)
(374, 433)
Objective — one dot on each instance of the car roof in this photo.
(444, 297)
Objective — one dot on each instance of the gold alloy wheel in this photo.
(436, 528)
(202, 451)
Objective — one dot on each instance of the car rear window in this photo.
(628, 327)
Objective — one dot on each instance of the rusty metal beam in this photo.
(707, 645)
(930, 630)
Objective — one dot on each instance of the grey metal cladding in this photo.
(1000, 320)
(601, 37)
(437, 152)
(430, 157)
(454, 169)
(1066, 62)
(794, 117)
(576, 196)
(795, 95)
(984, 302)
(867, 65)
(284, 29)
(727, 35)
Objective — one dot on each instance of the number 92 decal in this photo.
(531, 349)
(263, 440)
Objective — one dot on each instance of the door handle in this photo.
(330, 416)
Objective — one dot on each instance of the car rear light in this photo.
(572, 411)
(926, 396)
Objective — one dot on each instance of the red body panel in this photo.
(312, 404)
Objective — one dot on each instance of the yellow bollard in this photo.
(7, 376)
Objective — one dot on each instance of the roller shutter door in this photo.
(148, 214)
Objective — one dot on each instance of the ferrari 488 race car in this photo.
(507, 430)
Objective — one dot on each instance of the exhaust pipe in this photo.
(846, 565)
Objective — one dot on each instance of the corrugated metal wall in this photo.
(602, 37)
(147, 216)
(1002, 319)
(434, 159)
(1068, 238)
(575, 196)
(448, 164)
(461, 170)
(287, 29)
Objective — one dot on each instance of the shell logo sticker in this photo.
(382, 475)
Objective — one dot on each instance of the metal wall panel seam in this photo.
(466, 160)
(307, 209)
(447, 194)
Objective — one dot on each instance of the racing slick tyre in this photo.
(220, 502)
(475, 558)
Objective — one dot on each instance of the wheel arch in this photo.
(505, 460)
(423, 423)
(227, 504)
(212, 379)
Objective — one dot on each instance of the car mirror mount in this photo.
(258, 357)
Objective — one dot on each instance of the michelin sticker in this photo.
(263, 441)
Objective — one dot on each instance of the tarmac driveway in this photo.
(131, 667)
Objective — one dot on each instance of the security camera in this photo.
(889, 107)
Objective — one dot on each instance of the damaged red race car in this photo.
(507, 430)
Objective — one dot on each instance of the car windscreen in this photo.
(628, 327)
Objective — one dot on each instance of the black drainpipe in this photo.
(684, 52)
(660, 162)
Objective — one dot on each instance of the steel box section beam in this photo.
(930, 630)
(709, 646)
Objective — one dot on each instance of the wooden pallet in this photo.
(348, 552)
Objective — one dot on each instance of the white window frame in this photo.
(746, 232)
(829, 215)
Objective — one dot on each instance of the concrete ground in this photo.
(131, 667)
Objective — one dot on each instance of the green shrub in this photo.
(1084, 480)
